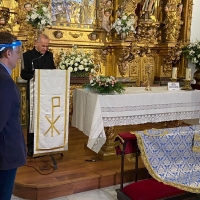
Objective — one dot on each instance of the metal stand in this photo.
(55, 166)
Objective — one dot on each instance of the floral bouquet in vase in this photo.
(39, 17)
(192, 53)
(124, 24)
(105, 85)
(78, 62)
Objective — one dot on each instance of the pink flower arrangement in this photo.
(105, 85)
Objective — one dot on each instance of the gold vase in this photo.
(197, 77)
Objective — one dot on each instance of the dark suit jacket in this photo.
(39, 62)
(12, 145)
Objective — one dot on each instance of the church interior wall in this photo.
(162, 27)
(195, 29)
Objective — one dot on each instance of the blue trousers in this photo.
(7, 178)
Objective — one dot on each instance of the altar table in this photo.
(92, 112)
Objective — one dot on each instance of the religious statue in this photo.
(119, 12)
(22, 11)
(148, 8)
(28, 6)
(4, 26)
(59, 14)
(106, 19)
(106, 12)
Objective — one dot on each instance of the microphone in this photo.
(35, 59)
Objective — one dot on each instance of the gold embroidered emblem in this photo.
(55, 103)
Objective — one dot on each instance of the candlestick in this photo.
(174, 73)
(188, 74)
(187, 85)
(148, 87)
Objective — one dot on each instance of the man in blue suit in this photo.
(12, 144)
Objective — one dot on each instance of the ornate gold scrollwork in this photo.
(147, 31)
(75, 35)
(124, 59)
(172, 58)
(148, 65)
(110, 134)
(58, 34)
(101, 55)
(4, 18)
(93, 36)
(129, 5)
(173, 22)
(146, 51)
(166, 65)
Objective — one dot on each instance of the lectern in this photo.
(49, 101)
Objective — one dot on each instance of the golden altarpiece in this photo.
(162, 27)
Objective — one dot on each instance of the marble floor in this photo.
(107, 193)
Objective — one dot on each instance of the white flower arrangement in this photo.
(39, 16)
(124, 24)
(192, 53)
(77, 61)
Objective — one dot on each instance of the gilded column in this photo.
(173, 10)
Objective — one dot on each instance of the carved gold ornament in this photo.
(172, 58)
(5, 15)
(58, 34)
(75, 35)
(172, 21)
(124, 59)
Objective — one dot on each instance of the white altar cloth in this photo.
(92, 112)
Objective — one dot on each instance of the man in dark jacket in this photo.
(37, 58)
(12, 144)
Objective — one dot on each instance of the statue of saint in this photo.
(148, 8)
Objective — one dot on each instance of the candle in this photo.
(174, 73)
(188, 74)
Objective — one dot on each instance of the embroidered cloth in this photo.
(168, 156)
(51, 111)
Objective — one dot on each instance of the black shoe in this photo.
(30, 152)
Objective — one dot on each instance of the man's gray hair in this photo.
(42, 36)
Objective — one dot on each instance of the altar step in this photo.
(74, 173)
(69, 178)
